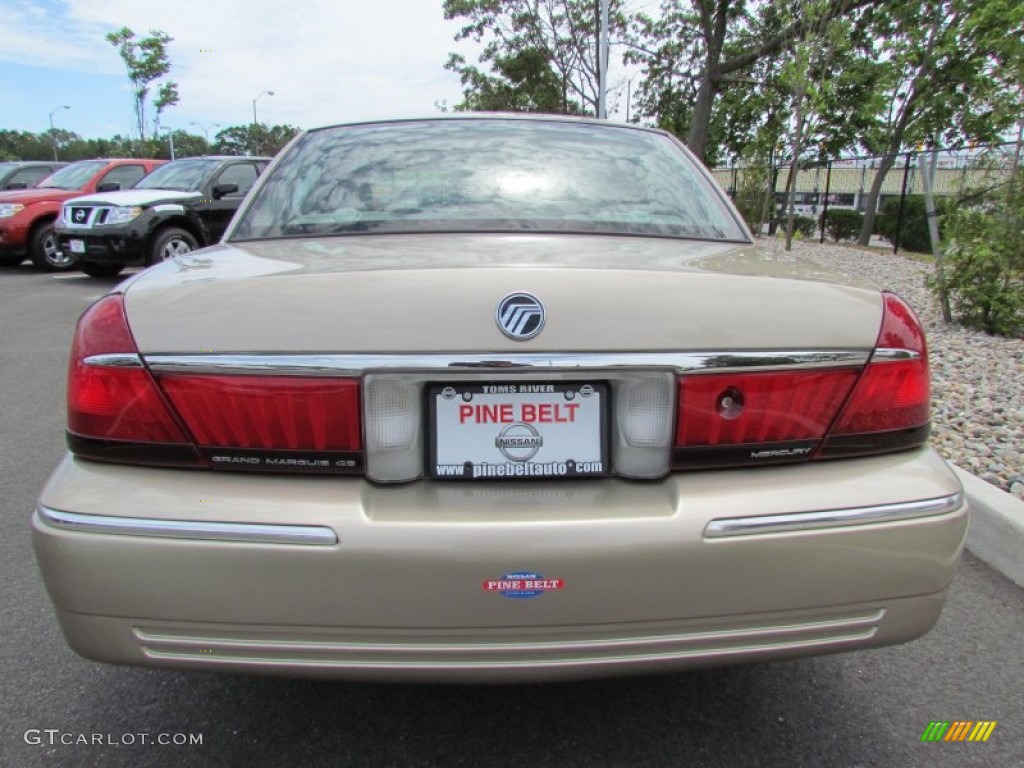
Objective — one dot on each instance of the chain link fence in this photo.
(844, 184)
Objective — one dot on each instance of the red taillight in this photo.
(751, 418)
(268, 412)
(732, 409)
(118, 411)
(893, 394)
(114, 399)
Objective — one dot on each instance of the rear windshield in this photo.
(181, 175)
(74, 176)
(485, 176)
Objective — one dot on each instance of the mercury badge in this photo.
(520, 316)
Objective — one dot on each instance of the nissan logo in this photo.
(520, 316)
(519, 441)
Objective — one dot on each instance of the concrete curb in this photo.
(996, 533)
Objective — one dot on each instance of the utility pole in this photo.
(602, 64)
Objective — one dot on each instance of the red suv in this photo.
(27, 216)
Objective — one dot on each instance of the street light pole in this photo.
(170, 139)
(206, 132)
(265, 93)
(256, 149)
(53, 138)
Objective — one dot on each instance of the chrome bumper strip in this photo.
(357, 364)
(256, 533)
(831, 518)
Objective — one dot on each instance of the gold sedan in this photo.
(494, 398)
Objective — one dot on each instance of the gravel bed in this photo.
(977, 379)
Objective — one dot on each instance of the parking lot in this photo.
(858, 709)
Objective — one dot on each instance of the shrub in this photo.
(753, 182)
(914, 232)
(843, 224)
(749, 206)
(984, 264)
(804, 225)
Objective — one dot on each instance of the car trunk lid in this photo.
(431, 293)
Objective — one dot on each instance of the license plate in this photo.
(77, 246)
(518, 430)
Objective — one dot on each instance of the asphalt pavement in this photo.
(867, 708)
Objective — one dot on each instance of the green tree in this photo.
(189, 144)
(166, 96)
(522, 82)
(185, 145)
(984, 259)
(258, 139)
(146, 60)
(116, 146)
(812, 78)
(234, 140)
(698, 50)
(538, 54)
(951, 74)
(23, 145)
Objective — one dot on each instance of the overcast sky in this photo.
(326, 61)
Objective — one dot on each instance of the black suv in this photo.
(181, 206)
(26, 174)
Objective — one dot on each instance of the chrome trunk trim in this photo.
(358, 364)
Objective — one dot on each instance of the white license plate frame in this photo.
(76, 246)
(526, 430)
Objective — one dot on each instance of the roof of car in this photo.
(539, 117)
(221, 157)
(33, 162)
(119, 160)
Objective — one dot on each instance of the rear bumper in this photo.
(498, 656)
(635, 578)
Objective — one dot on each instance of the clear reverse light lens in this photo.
(391, 422)
(391, 407)
(643, 408)
(645, 413)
